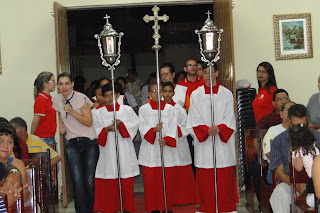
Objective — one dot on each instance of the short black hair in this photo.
(19, 122)
(297, 110)
(205, 66)
(169, 66)
(108, 87)
(133, 72)
(2, 119)
(121, 79)
(64, 74)
(154, 82)
(279, 91)
(103, 78)
(168, 84)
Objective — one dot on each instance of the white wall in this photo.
(28, 46)
(254, 43)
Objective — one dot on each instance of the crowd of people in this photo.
(196, 149)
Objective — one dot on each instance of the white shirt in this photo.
(182, 142)
(270, 135)
(199, 114)
(149, 154)
(107, 163)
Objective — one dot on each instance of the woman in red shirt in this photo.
(262, 104)
(44, 123)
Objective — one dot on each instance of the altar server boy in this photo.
(223, 129)
(149, 155)
(107, 187)
(184, 192)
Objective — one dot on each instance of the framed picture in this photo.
(293, 36)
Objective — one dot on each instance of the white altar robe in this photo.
(199, 114)
(182, 142)
(107, 163)
(149, 154)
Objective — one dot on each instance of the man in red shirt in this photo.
(185, 87)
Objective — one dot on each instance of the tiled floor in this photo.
(139, 200)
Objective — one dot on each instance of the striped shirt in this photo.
(36, 145)
(281, 150)
(2, 206)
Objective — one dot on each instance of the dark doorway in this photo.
(178, 40)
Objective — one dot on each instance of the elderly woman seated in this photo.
(7, 139)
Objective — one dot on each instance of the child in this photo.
(107, 189)
(149, 155)
(185, 192)
(100, 101)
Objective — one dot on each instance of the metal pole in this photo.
(213, 138)
(116, 137)
(157, 47)
(160, 133)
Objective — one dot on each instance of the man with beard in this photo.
(280, 199)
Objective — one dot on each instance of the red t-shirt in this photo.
(191, 87)
(262, 104)
(48, 121)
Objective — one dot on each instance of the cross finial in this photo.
(107, 17)
(208, 13)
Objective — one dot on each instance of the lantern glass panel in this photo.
(209, 41)
(110, 44)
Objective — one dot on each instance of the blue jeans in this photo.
(82, 156)
(49, 140)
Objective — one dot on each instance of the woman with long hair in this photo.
(262, 104)
(44, 123)
(81, 147)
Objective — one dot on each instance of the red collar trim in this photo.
(154, 105)
(45, 95)
(186, 80)
(172, 103)
(214, 88)
(110, 108)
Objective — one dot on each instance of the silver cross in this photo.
(156, 36)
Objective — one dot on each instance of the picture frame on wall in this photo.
(293, 36)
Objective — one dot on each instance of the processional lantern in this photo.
(210, 52)
(110, 56)
(211, 37)
(110, 51)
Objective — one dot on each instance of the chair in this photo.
(46, 183)
(34, 202)
(265, 189)
(248, 177)
(17, 207)
(54, 175)
(298, 204)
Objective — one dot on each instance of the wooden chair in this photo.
(249, 179)
(18, 206)
(46, 183)
(54, 175)
(298, 204)
(265, 188)
(34, 202)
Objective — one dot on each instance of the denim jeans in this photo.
(49, 140)
(82, 156)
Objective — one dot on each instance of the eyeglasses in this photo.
(282, 99)
(155, 90)
(285, 110)
(262, 72)
(192, 65)
(165, 74)
(297, 126)
(53, 81)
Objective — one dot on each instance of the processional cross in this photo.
(156, 36)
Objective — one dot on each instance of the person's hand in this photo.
(118, 122)
(158, 127)
(301, 187)
(11, 188)
(68, 109)
(162, 142)
(110, 128)
(213, 130)
(62, 129)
